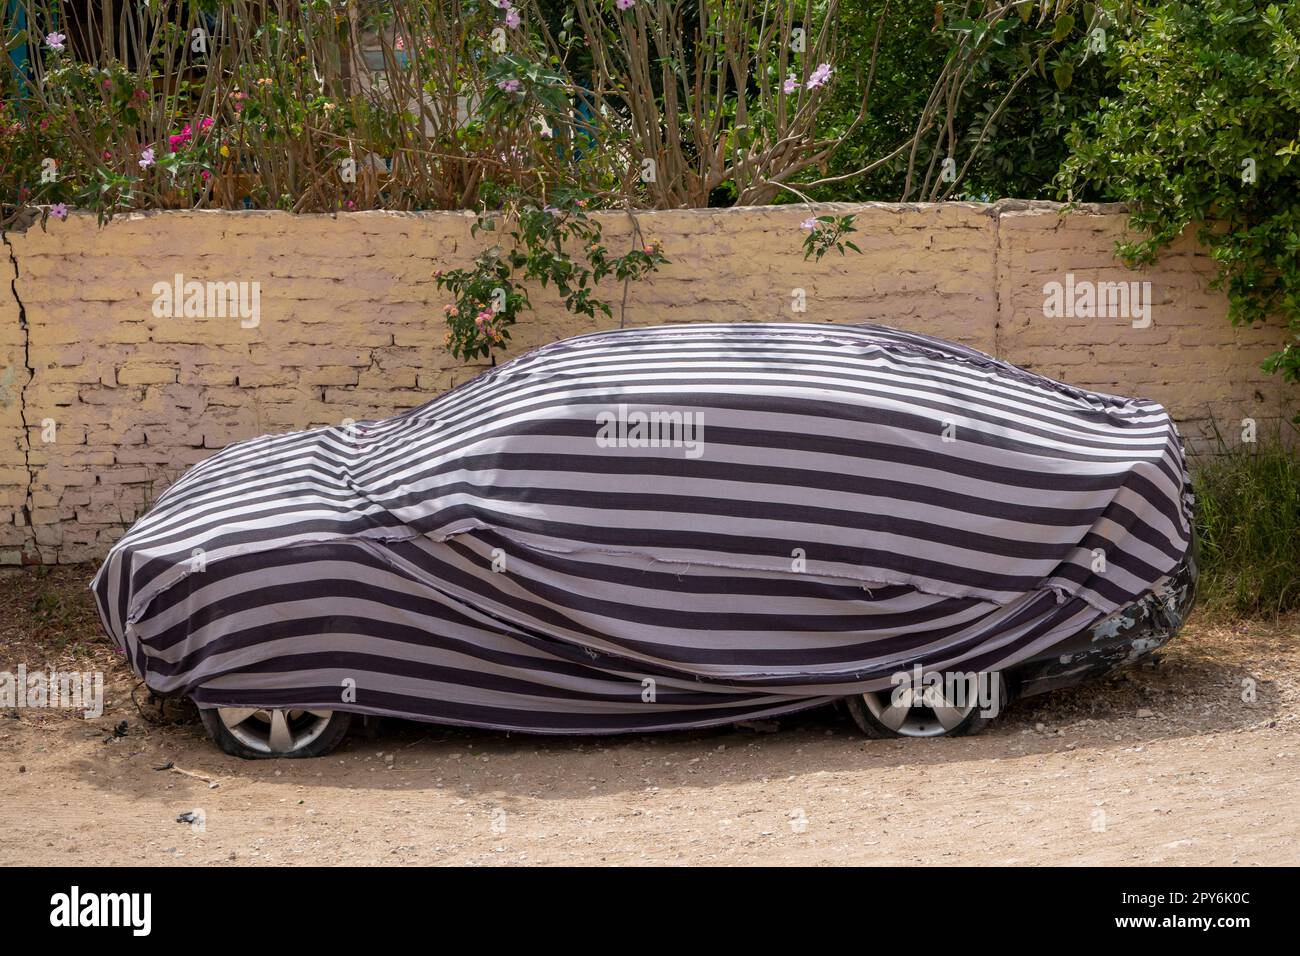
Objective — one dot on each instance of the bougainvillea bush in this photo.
(308, 106)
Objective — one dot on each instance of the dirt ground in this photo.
(1167, 763)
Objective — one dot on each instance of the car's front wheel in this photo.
(254, 732)
(880, 714)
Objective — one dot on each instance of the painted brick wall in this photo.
(350, 327)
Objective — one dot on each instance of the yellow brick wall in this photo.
(1191, 358)
(351, 328)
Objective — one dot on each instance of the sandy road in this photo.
(1201, 777)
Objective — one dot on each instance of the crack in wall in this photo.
(995, 212)
(997, 282)
(25, 329)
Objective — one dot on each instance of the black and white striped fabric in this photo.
(656, 528)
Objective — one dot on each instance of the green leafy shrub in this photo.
(1248, 522)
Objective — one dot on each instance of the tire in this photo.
(877, 717)
(260, 733)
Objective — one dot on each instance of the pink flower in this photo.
(59, 210)
(55, 41)
(207, 123)
(205, 175)
(510, 86)
(624, 4)
(790, 85)
(146, 158)
(819, 76)
(178, 140)
(810, 223)
(399, 44)
(512, 18)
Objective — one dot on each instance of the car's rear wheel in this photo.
(878, 714)
(256, 732)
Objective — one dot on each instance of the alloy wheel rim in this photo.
(274, 731)
(913, 721)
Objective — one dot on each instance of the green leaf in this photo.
(1064, 24)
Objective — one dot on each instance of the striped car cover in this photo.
(655, 528)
